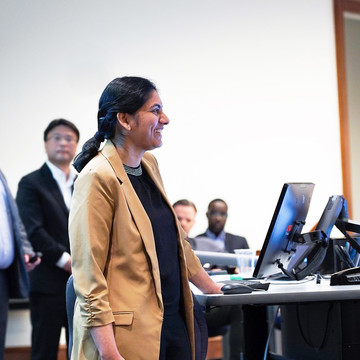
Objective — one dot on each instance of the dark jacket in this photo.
(45, 216)
(232, 242)
(16, 272)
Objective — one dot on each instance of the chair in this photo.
(70, 303)
(201, 331)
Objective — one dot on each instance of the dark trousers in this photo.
(255, 331)
(48, 317)
(4, 307)
(174, 344)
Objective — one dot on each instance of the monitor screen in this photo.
(286, 225)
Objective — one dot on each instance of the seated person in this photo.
(225, 318)
(217, 215)
(186, 212)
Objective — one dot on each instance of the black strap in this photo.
(340, 225)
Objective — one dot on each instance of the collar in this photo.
(212, 236)
(59, 175)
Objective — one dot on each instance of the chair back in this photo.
(70, 303)
(201, 331)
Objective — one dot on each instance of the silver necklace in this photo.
(137, 171)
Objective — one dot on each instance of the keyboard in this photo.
(346, 277)
(254, 284)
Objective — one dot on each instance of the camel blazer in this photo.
(114, 262)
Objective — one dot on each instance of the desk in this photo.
(290, 292)
(318, 321)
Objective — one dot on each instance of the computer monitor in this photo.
(314, 257)
(320, 253)
(335, 208)
(341, 253)
(287, 222)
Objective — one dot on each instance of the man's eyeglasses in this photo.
(58, 138)
(215, 213)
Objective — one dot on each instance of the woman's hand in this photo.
(204, 283)
(104, 340)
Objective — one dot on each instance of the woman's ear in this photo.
(123, 120)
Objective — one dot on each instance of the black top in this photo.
(165, 234)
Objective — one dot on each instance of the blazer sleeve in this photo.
(90, 224)
(192, 261)
(25, 243)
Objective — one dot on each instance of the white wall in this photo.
(249, 85)
(352, 55)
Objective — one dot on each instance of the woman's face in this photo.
(147, 124)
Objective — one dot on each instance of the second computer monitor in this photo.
(286, 225)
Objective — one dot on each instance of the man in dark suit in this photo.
(217, 215)
(232, 315)
(44, 198)
(15, 253)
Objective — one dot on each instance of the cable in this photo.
(270, 333)
(287, 281)
(308, 341)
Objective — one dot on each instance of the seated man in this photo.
(221, 318)
(217, 215)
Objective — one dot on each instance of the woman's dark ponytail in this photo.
(89, 150)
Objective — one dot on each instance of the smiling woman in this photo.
(131, 262)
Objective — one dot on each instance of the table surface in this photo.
(284, 292)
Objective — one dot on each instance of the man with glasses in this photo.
(44, 198)
(217, 215)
